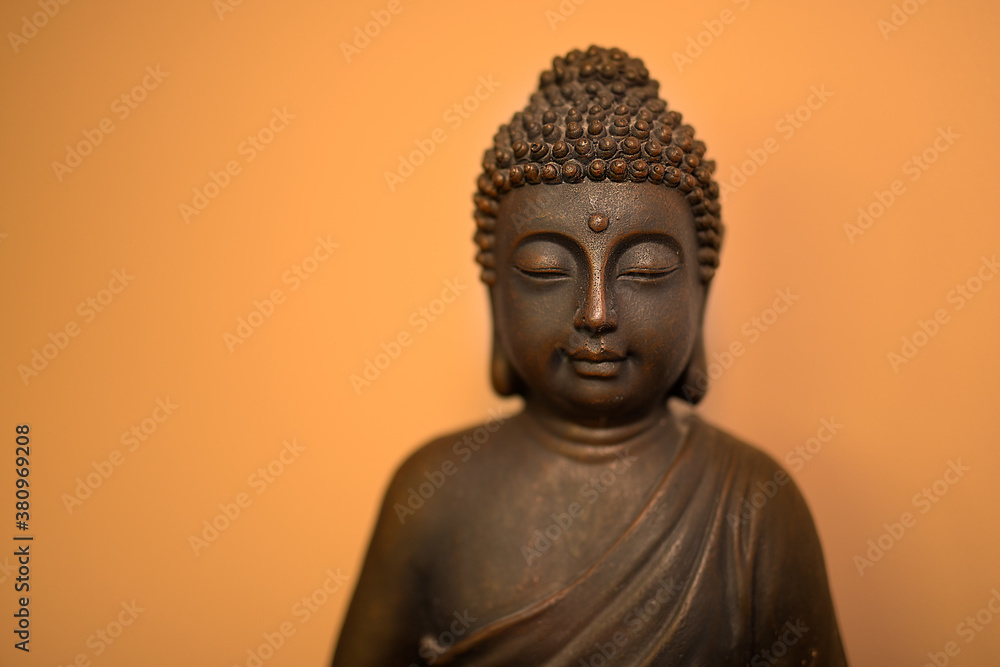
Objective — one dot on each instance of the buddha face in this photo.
(597, 301)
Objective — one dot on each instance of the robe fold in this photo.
(721, 567)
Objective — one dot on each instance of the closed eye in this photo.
(543, 273)
(647, 273)
(649, 260)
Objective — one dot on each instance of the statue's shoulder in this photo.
(449, 451)
(428, 471)
(754, 476)
(729, 449)
(760, 493)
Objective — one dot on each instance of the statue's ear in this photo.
(693, 383)
(506, 381)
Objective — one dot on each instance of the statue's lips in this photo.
(596, 364)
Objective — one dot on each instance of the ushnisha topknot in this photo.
(596, 115)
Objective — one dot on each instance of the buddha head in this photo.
(598, 228)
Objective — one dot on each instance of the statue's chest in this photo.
(503, 553)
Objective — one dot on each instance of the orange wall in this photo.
(161, 337)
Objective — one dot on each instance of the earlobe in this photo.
(693, 383)
(505, 379)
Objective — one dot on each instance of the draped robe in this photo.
(722, 566)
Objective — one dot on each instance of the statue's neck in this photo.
(590, 442)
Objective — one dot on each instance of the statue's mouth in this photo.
(586, 354)
(597, 369)
(593, 349)
(602, 363)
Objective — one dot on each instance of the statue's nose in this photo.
(597, 313)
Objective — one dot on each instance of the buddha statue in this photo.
(606, 523)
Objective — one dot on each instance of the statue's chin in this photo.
(599, 406)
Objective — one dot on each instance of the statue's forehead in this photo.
(602, 208)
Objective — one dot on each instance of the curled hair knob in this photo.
(597, 169)
(485, 184)
(656, 172)
(638, 170)
(551, 173)
(517, 176)
(652, 150)
(617, 169)
(539, 152)
(572, 172)
(487, 205)
(559, 150)
(607, 147)
(533, 173)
